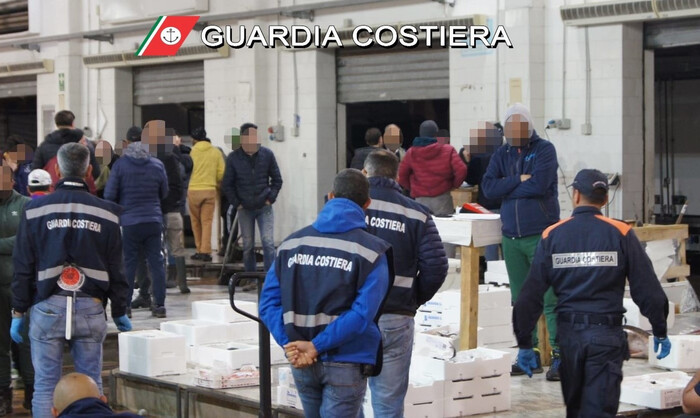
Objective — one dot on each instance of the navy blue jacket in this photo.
(586, 260)
(250, 180)
(93, 408)
(531, 206)
(420, 262)
(22, 178)
(175, 172)
(327, 285)
(69, 226)
(138, 183)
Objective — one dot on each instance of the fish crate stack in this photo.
(471, 382)
(495, 315)
(219, 345)
(656, 390)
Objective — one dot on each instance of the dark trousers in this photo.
(147, 239)
(591, 368)
(25, 357)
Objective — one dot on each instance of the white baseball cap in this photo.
(39, 177)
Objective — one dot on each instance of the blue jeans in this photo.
(331, 389)
(47, 334)
(389, 388)
(147, 239)
(266, 226)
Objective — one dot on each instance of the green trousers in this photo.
(518, 253)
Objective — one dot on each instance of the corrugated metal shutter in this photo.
(170, 83)
(383, 76)
(672, 33)
(18, 86)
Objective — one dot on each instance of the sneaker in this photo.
(196, 256)
(204, 257)
(515, 370)
(159, 311)
(553, 372)
(141, 303)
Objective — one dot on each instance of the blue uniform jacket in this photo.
(420, 262)
(92, 407)
(138, 183)
(531, 206)
(69, 226)
(352, 337)
(586, 259)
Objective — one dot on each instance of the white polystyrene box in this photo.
(198, 332)
(440, 343)
(496, 278)
(684, 355)
(285, 377)
(423, 367)
(494, 334)
(152, 353)
(289, 396)
(496, 317)
(151, 367)
(656, 390)
(493, 297)
(231, 355)
(478, 362)
(151, 344)
(277, 354)
(244, 330)
(449, 300)
(219, 310)
(634, 316)
(497, 266)
(477, 404)
(424, 399)
(438, 319)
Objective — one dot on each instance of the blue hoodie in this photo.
(138, 183)
(353, 336)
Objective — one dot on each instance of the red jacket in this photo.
(430, 169)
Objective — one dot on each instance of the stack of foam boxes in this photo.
(152, 353)
(218, 337)
(287, 394)
(495, 315)
(634, 316)
(473, 382)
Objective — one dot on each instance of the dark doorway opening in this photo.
(184, 117)
(18, 117)
(407, 114)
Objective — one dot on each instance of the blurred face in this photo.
(6, 182)
(484, 139)
(155, 138)
(103, 152)
(516, 131)
(250, 142)
(392, 138)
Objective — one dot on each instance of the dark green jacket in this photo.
(10, 215)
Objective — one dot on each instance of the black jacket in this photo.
(358, 160)
(476, 169)
(92, 407)
(53, 141)
(173, 202)
(250, 180)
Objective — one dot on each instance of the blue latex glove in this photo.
(15, 330)
(123, 323)
(527, 360)
(662, 347)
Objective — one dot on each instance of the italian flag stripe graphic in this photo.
(166, 36)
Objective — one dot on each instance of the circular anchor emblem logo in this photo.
(170, 35)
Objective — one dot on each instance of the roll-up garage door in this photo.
(18, 86)
(382, 76)
(672, 33)
(180, 82)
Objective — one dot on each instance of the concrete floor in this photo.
(534, 397)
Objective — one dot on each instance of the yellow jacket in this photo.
(208, 167)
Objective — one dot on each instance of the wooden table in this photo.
(470, 232)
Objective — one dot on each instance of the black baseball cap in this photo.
(591, 182)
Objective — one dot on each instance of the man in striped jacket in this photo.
(420, 265)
